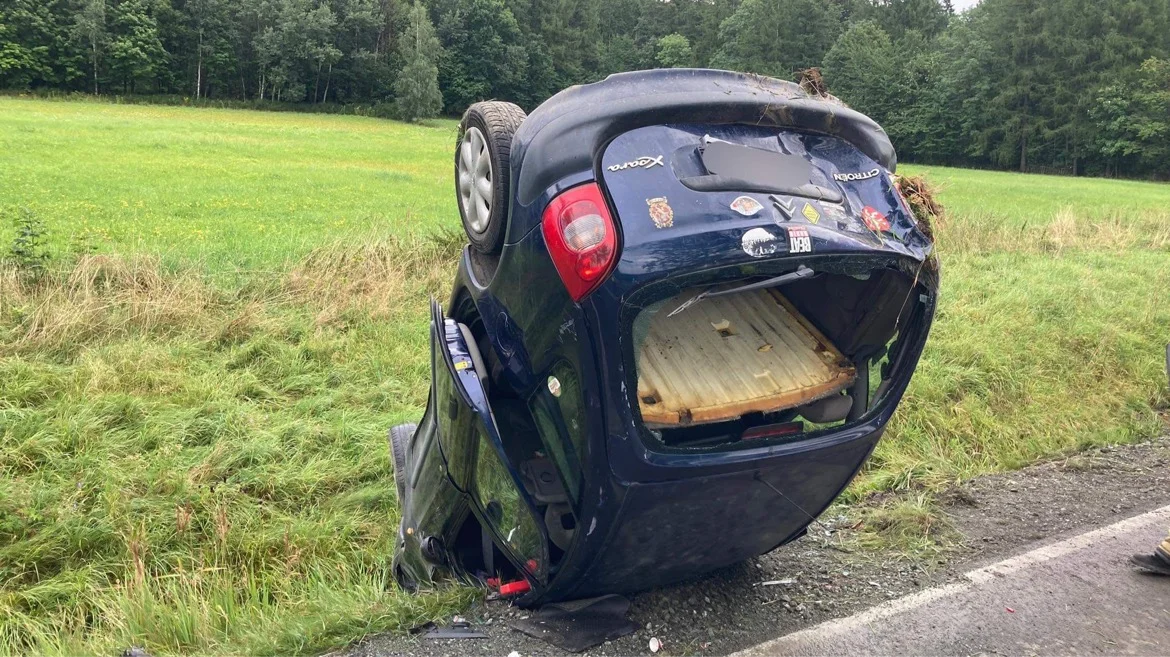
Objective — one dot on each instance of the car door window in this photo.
(500, 499)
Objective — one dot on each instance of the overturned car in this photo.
(691, 302)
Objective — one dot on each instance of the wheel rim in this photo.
(475, 180)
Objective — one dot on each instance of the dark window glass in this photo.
(499, 498)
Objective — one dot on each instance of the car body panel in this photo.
(675, 530)
(457, 424)
(704, 222)
(564, 135)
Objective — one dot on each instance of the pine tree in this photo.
(485, 55)
(417, 88)
(135, 51)
(897, 17)
(34, 47)
(777, 37)
(1132, 121)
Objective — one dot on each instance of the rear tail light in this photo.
(773, 431)
(581, 238)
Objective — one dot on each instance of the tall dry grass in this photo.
(373, 277)
(1067, 230)
(101, 297)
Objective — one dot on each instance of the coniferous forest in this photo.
(1078, 87)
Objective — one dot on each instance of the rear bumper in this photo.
(670, 531)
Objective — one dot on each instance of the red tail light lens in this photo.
(581, 238)
(773, 431)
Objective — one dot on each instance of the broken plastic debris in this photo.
(655, 644)
(778, 582)
(459, 629)
(515, 588)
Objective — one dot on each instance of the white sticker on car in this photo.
(746, 205)
(799, 240)
(759, 243)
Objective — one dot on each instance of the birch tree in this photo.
(89, 26)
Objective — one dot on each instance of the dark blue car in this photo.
(690, 305)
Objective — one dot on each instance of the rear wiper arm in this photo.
(801, 273)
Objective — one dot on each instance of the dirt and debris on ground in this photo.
(825, 575)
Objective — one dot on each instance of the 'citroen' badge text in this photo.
(852, 177)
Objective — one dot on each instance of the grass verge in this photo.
(195, 469)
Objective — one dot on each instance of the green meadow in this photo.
(229, 189)
(195, 391)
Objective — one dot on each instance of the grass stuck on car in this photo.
(690, 305)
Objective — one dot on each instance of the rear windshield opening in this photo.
(765, 364)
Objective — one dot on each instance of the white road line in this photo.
(969, 580)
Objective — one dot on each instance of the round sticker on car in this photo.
(746, 205)
(760, 242)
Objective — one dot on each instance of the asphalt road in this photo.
(1078, 596)
(1060, 605)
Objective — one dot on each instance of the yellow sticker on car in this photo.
(811, 213)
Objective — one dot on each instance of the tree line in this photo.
(1070, 86)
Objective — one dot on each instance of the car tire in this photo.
(482, 170)
(399, 438)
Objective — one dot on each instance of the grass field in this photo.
(193, 400)
(229, 188)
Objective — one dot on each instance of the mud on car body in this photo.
(691, 303)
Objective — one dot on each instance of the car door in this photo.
(473, 448)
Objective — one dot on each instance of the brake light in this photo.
(773, 431)
(581, 238)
